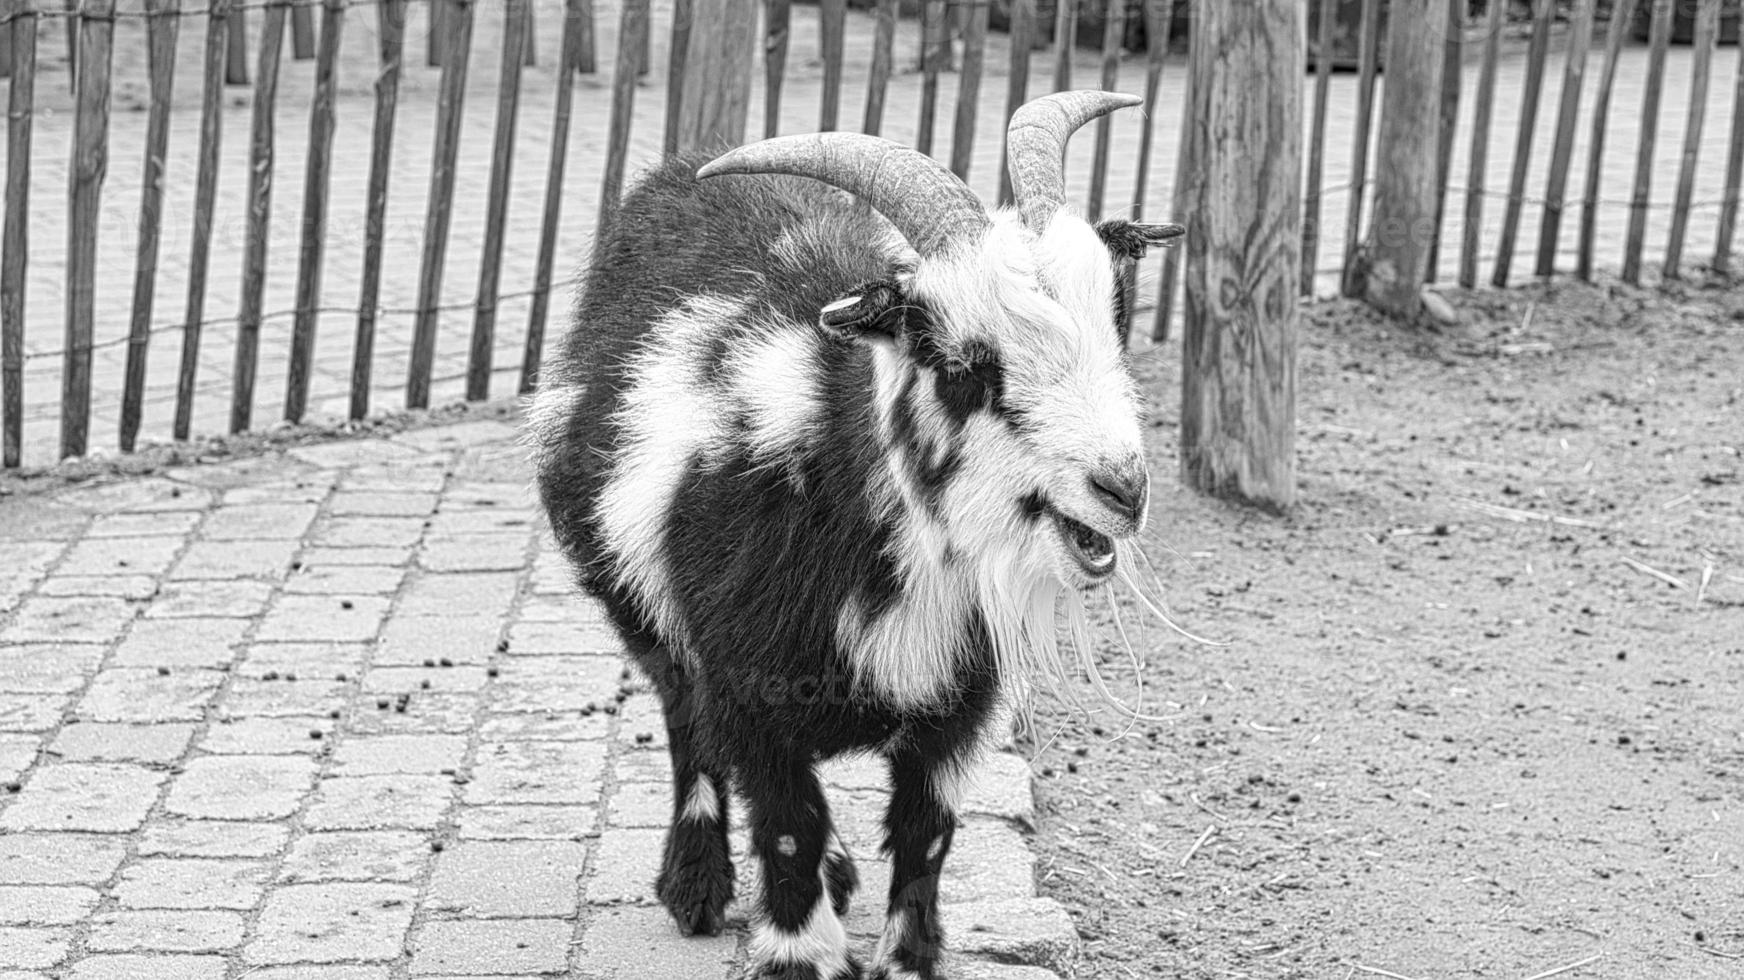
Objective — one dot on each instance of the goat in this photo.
(829, 451)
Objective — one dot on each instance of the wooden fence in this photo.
(244, 44)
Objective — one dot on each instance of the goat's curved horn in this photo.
(1035, 142)
(925, 201)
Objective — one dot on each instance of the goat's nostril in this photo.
(1124, 492)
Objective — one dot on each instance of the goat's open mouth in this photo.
(1090, 548)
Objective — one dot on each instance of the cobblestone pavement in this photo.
(409, 188)
(334, 714)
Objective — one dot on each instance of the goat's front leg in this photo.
(917, 835)
(798, 934)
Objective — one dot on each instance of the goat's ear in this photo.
(1129, 239)
(872, 311)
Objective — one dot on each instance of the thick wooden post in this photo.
(717, 74)
(1403, 225)
(1243, 252)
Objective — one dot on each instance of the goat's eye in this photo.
(963, 387)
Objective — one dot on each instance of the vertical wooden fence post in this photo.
(1734, 177)
(450, 103)
(717, 78)
(302, 32)
(1238, 378)
(1622, 12)
(935, 47)
(236, 47)
(1157, 14)
(1637, 233)
(586, 55)
(1367, 66)
(1453, 56)
(1023, 17)
(90, 164)
(437, 28)
(314, 231)
(484, 321)
(260, 186)
(533, 355)
(205, 196)
(15, 238)
(6, 17)
(832, 24)
(632, 25)
(1536, 54)
(391, 49)
(1706, 27)
(775, 40)
(1113, 37)
(1186, 162)
(1065, 39)
(163, 20)
(1317, 145)
(1477, 164)
(1410, 134)
(969, 88)
(1573, 76)
(883, 43)
(677, 51)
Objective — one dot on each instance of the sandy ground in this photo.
(1443, 740)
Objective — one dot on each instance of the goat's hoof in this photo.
(696, 888)
(809, 971)
(843, 879)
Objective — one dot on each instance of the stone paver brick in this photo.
(338, 533)
(557, 683)
(165, 523)
(309, 661)
(232, 523)
(134, 588)
(369, 855)
(491, 946)
(17, 752)
(411, 640)
(120, 556)
(249, 696)
(536, 772)
(423, 712)
(268, 736)
(180, 931)
(105, 742)
(227, 560)
(192, 883)
(30, 712)
(33, 948)
(625, 865)
(321, 617)
(380, 754)
(135, 966)
(320, 973)
(371, 503)
(45, 905)
(47, 668)
(634, 943)
(641, 805)
(507, 879)
(147, 495)
(240, 598)
(180, 643)
(322, 557)
(211, 838)
(452, 523)
(97, 797)
(555, 637)
(990, 860)
(486, 594)
(474, 553)
(544, 726)
(426, 475)
(450, 679)
(138, 694)
(335, 579)
(379, 802)
(59, 859)
(72, 619)
(241, 787)
(351, 452)
(526, 822)
(332, 922)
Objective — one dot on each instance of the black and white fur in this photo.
(833, 493)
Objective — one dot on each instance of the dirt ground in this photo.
(1462, 725)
